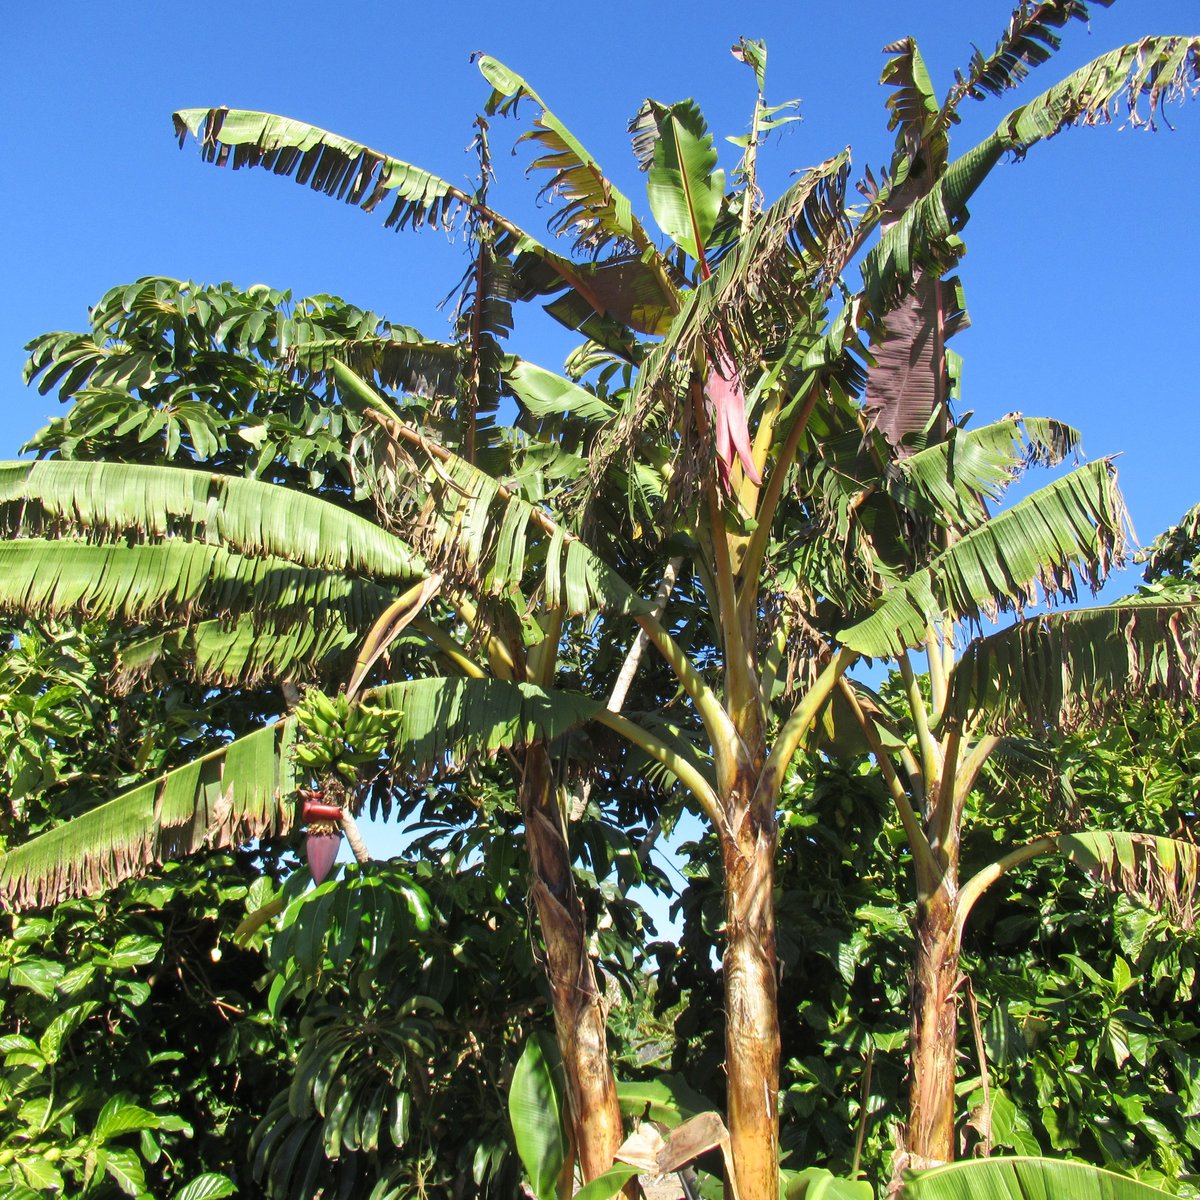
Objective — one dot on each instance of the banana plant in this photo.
(1017, 1178)
(259, 368)
(1040, 673)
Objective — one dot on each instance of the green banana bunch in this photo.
(338, 736)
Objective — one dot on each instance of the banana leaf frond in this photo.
(1065, 670)
(1072, 527)
(174, 581)
(595, 212)
(227, 798)
(761, 294)
(323, 161)
(245, 652)
(1028, 41)
(245, 790)
(117, 500)
(951, 481)
(1160, 872)
(485, 538)
(1156, 70)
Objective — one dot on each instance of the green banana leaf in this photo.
(1024, 1179)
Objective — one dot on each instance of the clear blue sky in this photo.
(1082, 264)
(1081, 275)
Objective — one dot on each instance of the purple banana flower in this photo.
(321, 849)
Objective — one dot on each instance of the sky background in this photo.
(1081, 272)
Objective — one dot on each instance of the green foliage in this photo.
(1023, 1179)
(536, 1102)
(400, 1066)
(133, 1042)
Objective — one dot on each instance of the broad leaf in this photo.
(244, 790)
(324, 161)
(608, 1184)
(667, 1100)
(908, 384)
(1156, 69)
(546, 394)
(226, 798)
(685, 189)
(818, 1183)
(487, 539)
(250, 649)
(441, 721)
(252, 518)
(596, 212)
(536, 1110)
(1023, 1179)
(949, 482)
(209, 1186)
(177, 580)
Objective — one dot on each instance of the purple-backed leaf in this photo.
(907, 384)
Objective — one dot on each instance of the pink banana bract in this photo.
(724, 389)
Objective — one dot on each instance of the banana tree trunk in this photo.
(579, 1009)
(751, 1005)
(934, 1004)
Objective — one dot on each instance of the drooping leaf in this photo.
(441, 721)
(908, 383)
(1160, 872)
(595, 211)
(1063, 670)
(486, 538)
(1155, 70)
(116, 500)
(174, 580)
(950, 481)
(760, 295)
(1027, 42)
(1072, 527)
(226, 798)
(248, 650)
(324, 161)
(763, 280)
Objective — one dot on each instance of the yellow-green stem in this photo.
(688, 773)
(720, 729)
(927, 868)
(946, 818)
(768, 503)
(805, 713)
(931, 757)
(983, 879)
